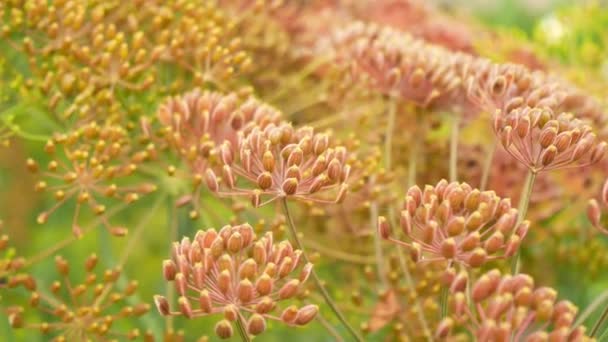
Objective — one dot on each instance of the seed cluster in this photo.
(235, 274)
(502, 307)
(455, 223)
(197, 123)
(395, 64)
(543, 140)
(280, 161)
(88, 58)
(92, 165)
(82, 310)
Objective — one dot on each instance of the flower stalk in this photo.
(328, 300)
(524, 201)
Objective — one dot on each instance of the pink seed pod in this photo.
(511, 306)
(446, 222)
(278, 161)
(213, 278)
(552, 141)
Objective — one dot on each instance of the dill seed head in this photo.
(236, 274)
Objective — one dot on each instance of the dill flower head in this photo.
(543, 140)
(394, 63)
(90, 59)
(91, 165)
(198, 122)
(455, 223)
(511, 307)
(86, 310)
(279, 161)
(234, 274)
(490, 86)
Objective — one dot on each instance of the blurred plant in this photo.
(93, 158)
(339, 107)
(82, 311)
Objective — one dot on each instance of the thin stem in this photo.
(173, 227)
(599, 322)
(444, 302)
(54, 249)
(410, 284)
(487, 166)
(454, 148)
(241, 328)
(390, 128)
(597, 302)
(524, 201)
(315, 277)
(330, 329)
(131, 244)
(378, 246)
(412, 161)
(340, 255)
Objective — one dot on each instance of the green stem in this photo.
(411, 172)
(390, 128)
(597, 302)
(242, 331)
(454, 148)
(173, 231)
(64, 243)
(316, 278)
(487, 166)
(444, 301)
(599, 322)
(410, 284)
(330, 329)
(378, 246)
(524, 201)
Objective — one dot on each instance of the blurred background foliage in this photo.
(568, 37)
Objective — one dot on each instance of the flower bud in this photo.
(184, 306)
(289, 314)
(290, 186)
(306, 314)
(162, 305)
(384, 228)
(223, 329)
(289, 289)
(256, 324)
(265, 305)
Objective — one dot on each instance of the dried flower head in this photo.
(394, 63)
(456, 223)
(81, 311)
(491, 86)
(237, 275)
(280, 161)
(90, 165)
(197, 123)
(512, 307)
(543, 140)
